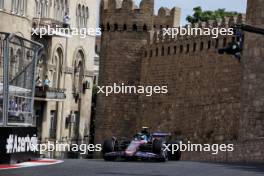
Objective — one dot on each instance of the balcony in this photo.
(49, 94)
(49, 27)
(45, 22)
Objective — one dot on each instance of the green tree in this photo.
(202, 16)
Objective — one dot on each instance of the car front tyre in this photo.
(108, 147)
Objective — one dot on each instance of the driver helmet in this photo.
(145, 130)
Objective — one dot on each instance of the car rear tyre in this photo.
(108, 147)
(158, 148)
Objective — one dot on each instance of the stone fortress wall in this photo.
(203, 86)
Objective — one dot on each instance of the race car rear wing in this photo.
(161, 134)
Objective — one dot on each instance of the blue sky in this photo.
(188, 5)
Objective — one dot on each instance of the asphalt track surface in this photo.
(171, 168)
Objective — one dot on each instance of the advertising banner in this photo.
(17, 144)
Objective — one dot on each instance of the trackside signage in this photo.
(17, 143)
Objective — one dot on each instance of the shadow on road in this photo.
(257, 168)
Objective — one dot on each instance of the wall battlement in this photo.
(158, 37)
(160, 45)
(124, 15)
(121, 6)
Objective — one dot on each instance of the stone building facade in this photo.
(211, 98)
(63, 111)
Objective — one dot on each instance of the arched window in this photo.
(54, 76)
(75, 85)
(79, 11)
(2, 4)
(18, 7)
(62, 9)
(37, 4)
(66, 6)
(83, 16)
(14, 6)
(56, 9)
(47, 8)
(21, 7)
(56, 62)
(42, 7)
(78, 73)
(26, 7)
(86, 16)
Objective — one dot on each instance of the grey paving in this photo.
(102, 168)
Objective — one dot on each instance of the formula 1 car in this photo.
(144, 146)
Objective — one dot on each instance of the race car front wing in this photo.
(139, 154)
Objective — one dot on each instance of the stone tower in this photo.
(125, 30)
(252, 114)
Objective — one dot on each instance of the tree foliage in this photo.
(203, 16)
